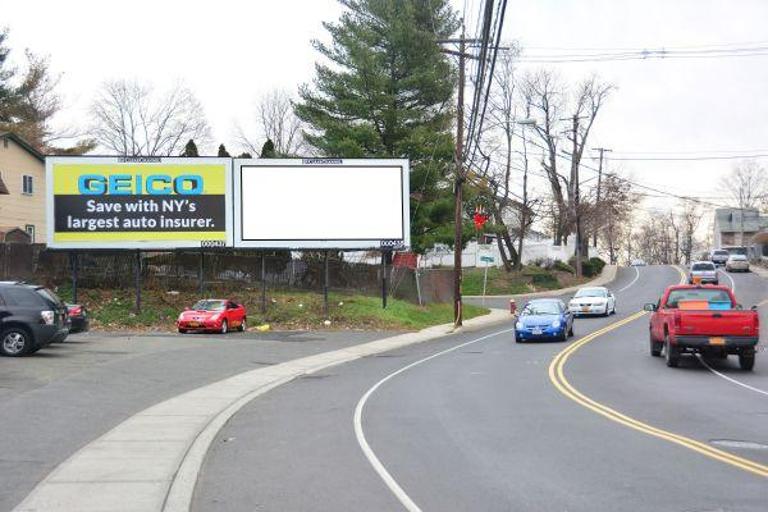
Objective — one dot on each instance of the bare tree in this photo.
(612, 215)
(275, 121)
(129, 118)
(689, 219)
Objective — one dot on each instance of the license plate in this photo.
(194, 324)
(717, 341)
(536, 332)
(585, 308)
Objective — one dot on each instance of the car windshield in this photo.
(591, 292)
(703, 266)
(541, 308)
(697, 294)
(210, 305)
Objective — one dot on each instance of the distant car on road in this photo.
(719, 257)
(31, 317)
(703, 272)
(78, 318)
(737, 262)
(217, 315)
(544, 319)
(637, 262)
(595, 300)
(702, 319)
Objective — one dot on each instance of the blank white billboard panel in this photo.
(349, 204)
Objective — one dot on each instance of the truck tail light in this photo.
(677, 320)
(75, 311)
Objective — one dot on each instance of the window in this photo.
(30, 229)
(22, 297)
(27, 186)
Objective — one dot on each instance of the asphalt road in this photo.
(483, 427)
(66, 395)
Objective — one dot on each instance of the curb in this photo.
(606, 276)
(151, 461)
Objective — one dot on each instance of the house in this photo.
(741, 227)
(22, 189)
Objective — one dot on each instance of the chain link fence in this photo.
(222, 270)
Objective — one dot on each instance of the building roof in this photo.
(24, 144)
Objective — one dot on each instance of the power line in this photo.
(691, 158)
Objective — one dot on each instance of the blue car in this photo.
(543, 319)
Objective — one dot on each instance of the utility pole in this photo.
(459, 176)
(576, 199)
(599, 183)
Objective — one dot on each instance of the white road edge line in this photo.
(637, 276)
(734, 381)
(357, 420)
(733, 283)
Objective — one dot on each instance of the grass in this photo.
(530, 279)
(114, 310)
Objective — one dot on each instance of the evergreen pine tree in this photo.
(387, 92)
(268, 149)
(223, 151)
(190, 149)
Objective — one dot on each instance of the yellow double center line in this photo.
(557, 376)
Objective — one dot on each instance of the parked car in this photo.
(31, 317)
(737, 262)
(703, 272)
(719, 257)
(544, 319)
(637, 262)
(596, 300)
(78, 318)
(218, 315)
(702, 319)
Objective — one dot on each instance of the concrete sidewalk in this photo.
(150, 462)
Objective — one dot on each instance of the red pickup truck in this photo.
(702, 319)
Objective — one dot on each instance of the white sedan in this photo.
(596, 300)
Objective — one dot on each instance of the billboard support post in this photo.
(263, 282)
(201, 274)
(73, 261)
(384, 255)
(138, 281)
(326, 284)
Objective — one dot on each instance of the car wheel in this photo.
(671, 353)
(242, 327)
(15, 342)
(563, 336)
(518, 339)
(570, 331)
(182, 331)
(747, 360)
(224, 327)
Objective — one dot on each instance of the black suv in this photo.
(30, 318)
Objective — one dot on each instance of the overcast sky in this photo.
(229, 53)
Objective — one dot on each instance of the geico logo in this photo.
(130, 184)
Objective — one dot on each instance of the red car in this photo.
(218, 315)
(705, 320)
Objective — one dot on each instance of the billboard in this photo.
(138, 202)
(321, 204)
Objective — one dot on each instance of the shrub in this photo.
(563, 267)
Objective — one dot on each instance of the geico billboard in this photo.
(138, 203)
(322, 204)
